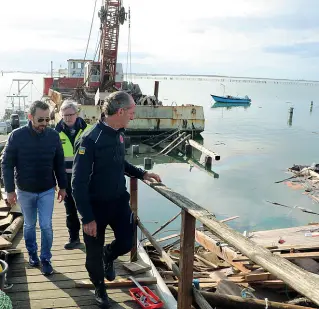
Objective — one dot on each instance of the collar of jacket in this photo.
(79, 124)
(109, 130)
(33, 132)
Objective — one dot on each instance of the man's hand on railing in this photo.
(151, 177)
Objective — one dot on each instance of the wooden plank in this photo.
(229, 301)
(134, 207)
(11, 231)
(163, 239)
(4, 223)
(87, 284)
(294, 237)
(4, 213)
(225, 253)
(137, 267)
(288, 256)
(186, 261)
(4, 244)
(70, 301)
(259, 277)
(159, 249)
(302, 281)
(16, 209)
(204, 150)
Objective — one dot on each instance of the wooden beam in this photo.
(204, 150)
(172, 143)
(11, 231)
(288, 256)
(165, 139)
(171, 264)
(87, 284)
(229, 301)
(176, 145)
(134, 207)
(300, 280)
(166, 224)
(186, 261)
(225, 253)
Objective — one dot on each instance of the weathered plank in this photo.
(225, 253)
(204, 150)
(302, 281)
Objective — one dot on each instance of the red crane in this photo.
(112, 14)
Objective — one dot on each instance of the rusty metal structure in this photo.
(106, 75)
(111, 16)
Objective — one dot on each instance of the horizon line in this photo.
(192, 75)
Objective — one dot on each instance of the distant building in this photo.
(76, 67)
(63, 72)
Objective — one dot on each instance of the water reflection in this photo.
(230, 105)
(148, 157)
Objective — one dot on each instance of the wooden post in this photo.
(208, 162)
(185, 289)
(156, 86)
(134, 207)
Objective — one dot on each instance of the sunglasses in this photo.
(68, 115)
(43, 119)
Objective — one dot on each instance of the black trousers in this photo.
(72, 219)
(119, 216)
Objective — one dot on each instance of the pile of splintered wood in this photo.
(229, 279)
(306, 178)
(11, 220)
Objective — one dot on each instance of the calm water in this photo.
(256, 145)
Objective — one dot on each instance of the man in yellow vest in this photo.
(70, 128)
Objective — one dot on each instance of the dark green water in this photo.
(256, 144)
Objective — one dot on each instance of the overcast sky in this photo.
(261, 38)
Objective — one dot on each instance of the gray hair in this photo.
(115, 101)
(69, 104)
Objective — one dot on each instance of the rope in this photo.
(5, 301)
(128, 56)
(88, 41)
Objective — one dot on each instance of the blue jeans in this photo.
(31, 204)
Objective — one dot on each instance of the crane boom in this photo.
(112, 14)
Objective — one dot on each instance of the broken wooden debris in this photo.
(137, 267)
(225, 253)
(123, 282)
(11, 231)
(309, 211)
(229, 301)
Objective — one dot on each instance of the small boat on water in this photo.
(231, 99)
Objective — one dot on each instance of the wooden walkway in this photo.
(32, 290)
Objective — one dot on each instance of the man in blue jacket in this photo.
(34, 154)
(99, 190)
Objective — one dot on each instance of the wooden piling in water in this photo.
(156, 87)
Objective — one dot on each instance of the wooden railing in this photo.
(299, 279)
